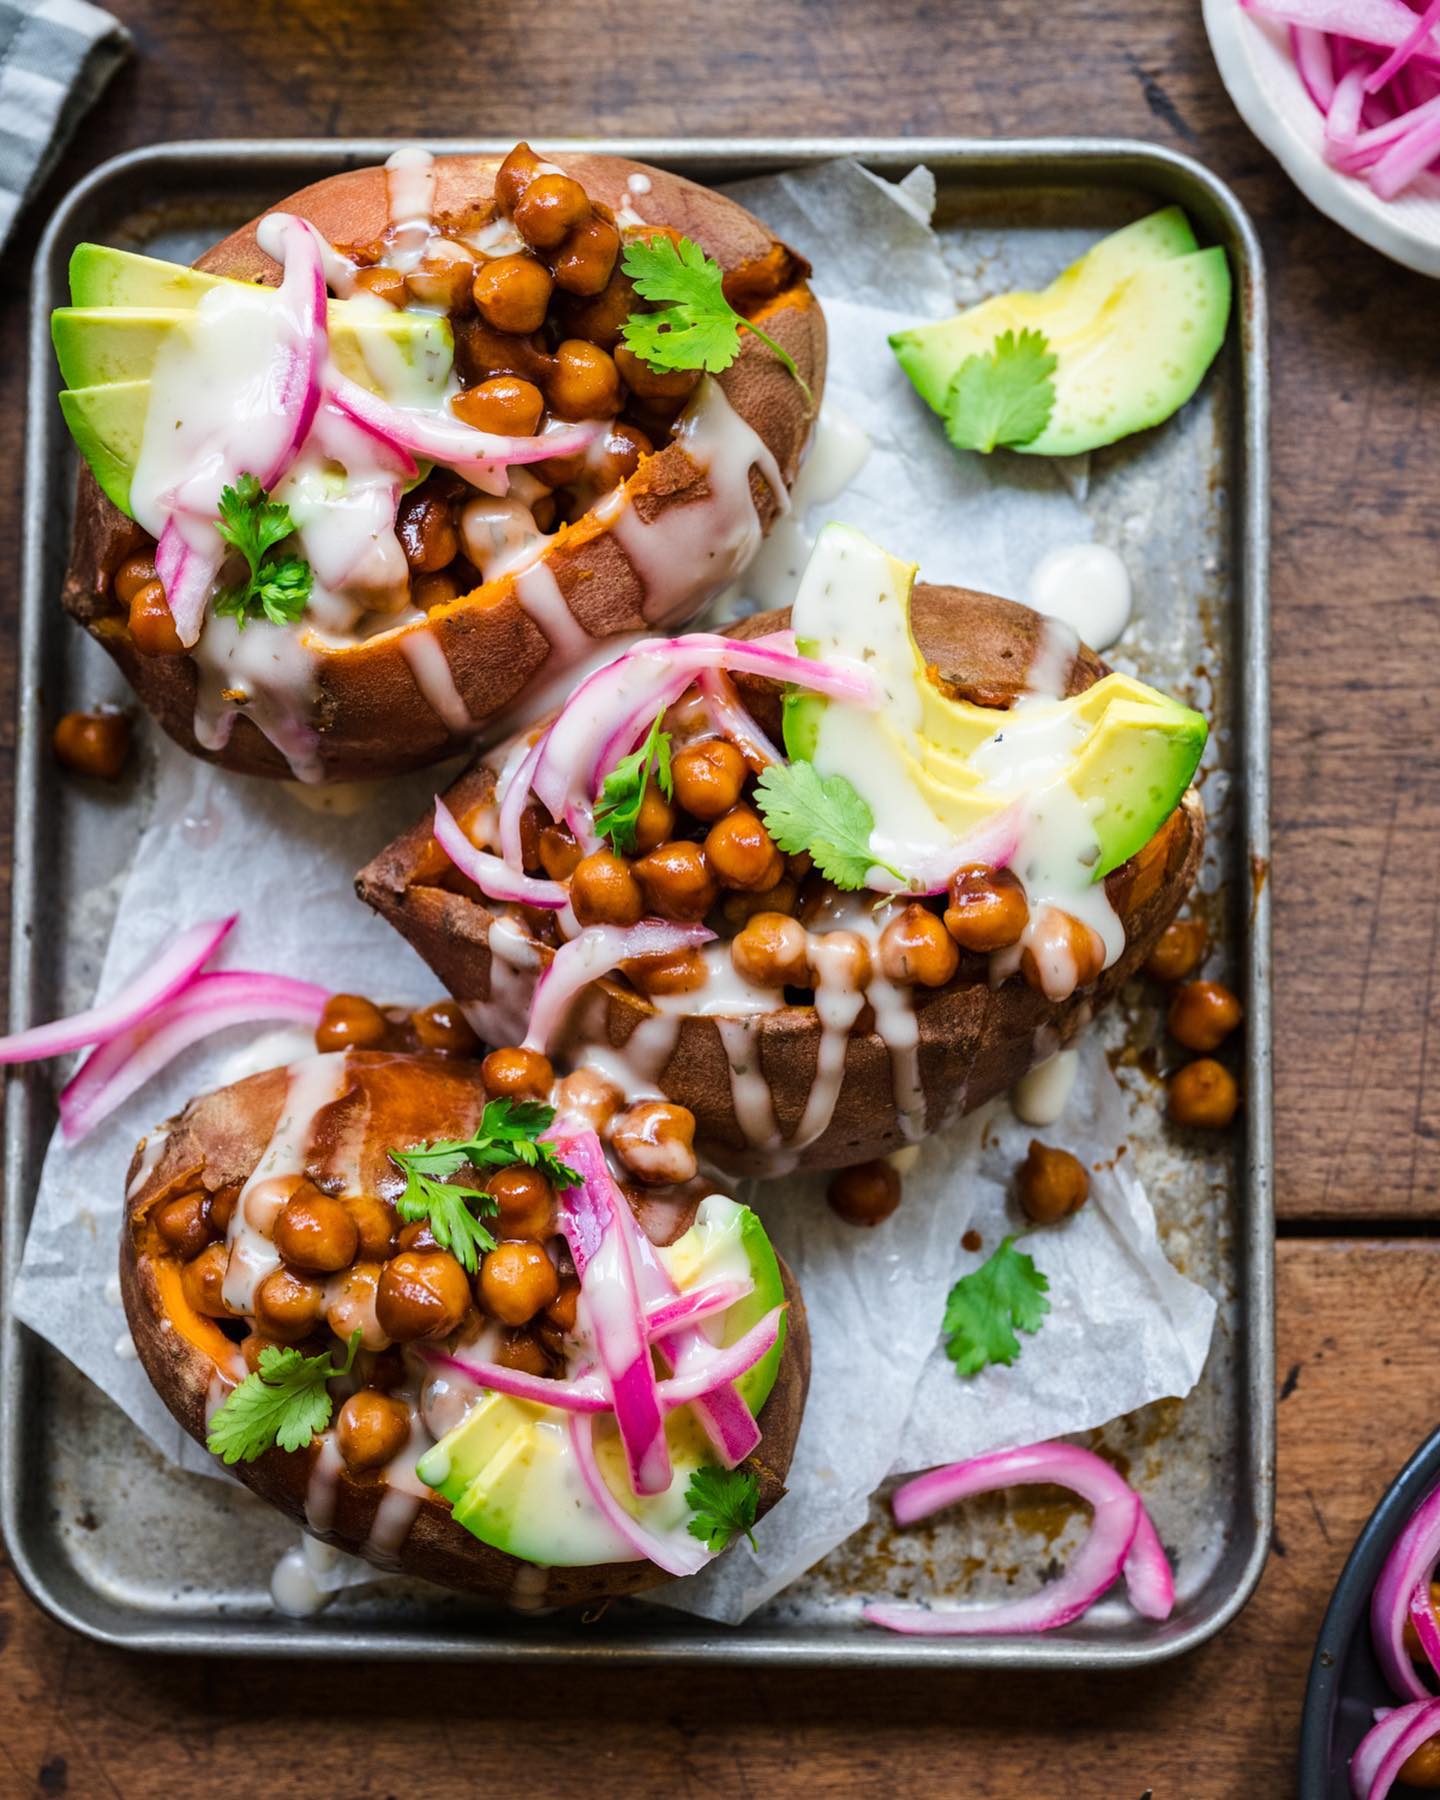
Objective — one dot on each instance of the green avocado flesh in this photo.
(127, 308)
(508, 1470)
(1131, 750)
(1133, 325)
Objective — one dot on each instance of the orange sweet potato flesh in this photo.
(974, 1041)
(370, 714)
(217, 1141)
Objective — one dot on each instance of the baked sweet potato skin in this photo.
(974, 1041)
(369, 711)
(216, 1141)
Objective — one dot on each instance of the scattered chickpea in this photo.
(1178, 951)
(517, 1280)
(1202, 1015)
(517, 1074)
(421, 1294)
(526, 1201)
(350, 1022)
(372, 1429)
(656, 1141)
(916, 949)
(604, 890)
(772, 951)
(315, 1233)
(1051, 1184)
(93, 743)
(987, 909)
(865, 1194)
(708, 777)
(1203, 1093)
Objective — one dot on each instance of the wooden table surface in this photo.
(1356, 874)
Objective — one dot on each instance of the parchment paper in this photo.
(1124, 1329)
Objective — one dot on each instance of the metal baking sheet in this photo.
(124, 1548)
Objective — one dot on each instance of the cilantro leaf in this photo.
(285, 1402)
(278, 587)
(1003, 396)
(697, 327)
(825, 815)
(986, 1308)
(617, 815)
(723, 1501)
(509, 1132)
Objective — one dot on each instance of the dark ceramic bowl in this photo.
(1345, 1681)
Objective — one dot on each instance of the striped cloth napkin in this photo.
(55, 57)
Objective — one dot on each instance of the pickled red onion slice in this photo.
(1410, 1564)
(675, 1554)
(594, 952)
(492, 874)
(1387, 1746)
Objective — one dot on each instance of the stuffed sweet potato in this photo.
(975, 834)
(360, 1277)
(478, 483)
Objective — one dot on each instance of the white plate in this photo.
(1260, 76)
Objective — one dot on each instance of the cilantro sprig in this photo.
(278, 586)
(986, 1308)
(1004, 395)
(696, 326)
(509, 1132)
(617, 814)
(824, 814)
(285, 1402)
(724, 1502)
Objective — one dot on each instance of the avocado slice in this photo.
(1133, 325)
(107, 424)
(102, 276)
(927, 764)
(931, 354)
(120, 343)
(508, 1470)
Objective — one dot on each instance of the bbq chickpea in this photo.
(288, 1306)
(134, 573)
(350, 1022)
(95, 743)
(315, 1233)
(562, 1309)
(252, 1345)
(739, 907)
(840, 959)
(653, 384)
(442, 1026)
(522, 1351)
(1178, 952)
(656, 1141)
(676, 881)
(1421, 1768)
(559, 852)
(514, 175)
(708, 777)
(866, 1194)
(375, 1221)
(203, 1278)
(772, 951)
(548, 210)
(422, 1293)
(513, 293)
(1068, 955)
(1203, 1093)
(372, 1429)
(352, 1309)
(184, 1224)
(604, 890)
(671, 972)
(1410, 1637)
(426, 531)
(1050, 1184)
(655, 821)
(444, 280)
(152, 624)
(594, 1096)
(388, 284)
(517, 1280)
(222, 1207)
(1202, 1015)
(417, 1235)
(506, 404)
(517, 1074)
(587, 257)
(429, 591)
(987, 909)
(917, 950)
(742, 852)
(620, 457)
(526, 1201)
(584, 383)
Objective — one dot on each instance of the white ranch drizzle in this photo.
(538, 591)
(424, 653)
(313, 1082)
(324, 1482)
(1040, 1096)
(838, 1003)
(298, 1586)
(749, 1090)
(400, 1504)
(899, 1029)
(514, 969)
(688, 553)
(838, 451)
(265, 673)
(1086, 587)
(149, 1161)
(410, 192)
(527, 1592)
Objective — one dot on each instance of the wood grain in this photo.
(1219, 1725)
(1357, 855)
